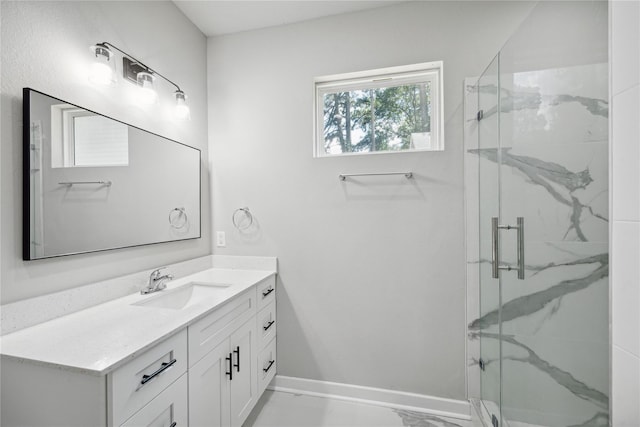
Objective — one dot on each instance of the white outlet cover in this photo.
(221, 240)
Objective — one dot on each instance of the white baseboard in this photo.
(459, 409)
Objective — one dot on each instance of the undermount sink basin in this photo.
(183, 296)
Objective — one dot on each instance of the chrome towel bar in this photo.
(71, 183)
(343, 176)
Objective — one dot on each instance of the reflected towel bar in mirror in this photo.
(343, 176)
(71, 183)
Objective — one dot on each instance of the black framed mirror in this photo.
(93, 183)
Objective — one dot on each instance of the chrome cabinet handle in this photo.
(520, 247)
(269, 325)
(265, 294)
(230, 373)
(173, 424)
(163, 368)
(271, 362)
(237, 352)
(495, 247)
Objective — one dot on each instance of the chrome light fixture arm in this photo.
(137, 61)
(137, 72)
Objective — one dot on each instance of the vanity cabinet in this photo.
(225, 379)
(150, 388)
(209, 373)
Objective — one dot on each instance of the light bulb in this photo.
(102, 70)
(146, 92)
(181, 110)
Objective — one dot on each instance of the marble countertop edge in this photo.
(125, 330)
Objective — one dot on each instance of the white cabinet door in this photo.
(209, 388)
(168, 409)
(243, 386)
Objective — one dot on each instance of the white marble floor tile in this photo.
(278, 409)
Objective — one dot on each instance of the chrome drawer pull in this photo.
(162, 369)
(173, 424)
(269, 325)
(266, 294)
(271, 362)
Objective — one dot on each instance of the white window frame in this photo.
(69, 137)
(63, 136)
(382, 77)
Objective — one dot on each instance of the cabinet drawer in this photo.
(266, 366)
(168, 409)
(266, 324)
(135, 384)
(266, 291)
(207, 333)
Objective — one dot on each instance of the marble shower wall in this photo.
(554, 172)
(556, 177)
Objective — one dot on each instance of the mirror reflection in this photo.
(83, 138)
(95, 183)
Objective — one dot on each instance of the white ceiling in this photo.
(217, 17)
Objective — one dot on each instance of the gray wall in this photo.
(45, 45)
(372, 282)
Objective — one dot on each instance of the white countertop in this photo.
(99, 339)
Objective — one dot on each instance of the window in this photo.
(387, 110)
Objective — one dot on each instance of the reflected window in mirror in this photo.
(82, 138)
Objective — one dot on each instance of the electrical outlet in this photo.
(221, 239)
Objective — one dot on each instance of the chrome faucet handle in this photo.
(155, 274)
(162, 281)
(156, 281)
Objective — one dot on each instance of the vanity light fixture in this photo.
(181, 111)
(147, 92)
(103, 71)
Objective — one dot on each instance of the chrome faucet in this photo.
(157, 282)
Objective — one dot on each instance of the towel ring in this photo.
(238, 220)
(178, 218)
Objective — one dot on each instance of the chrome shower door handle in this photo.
(495, 248)
(520, 247)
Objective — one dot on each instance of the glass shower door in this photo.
(543, 222)
(487, 326)
(553, 160)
